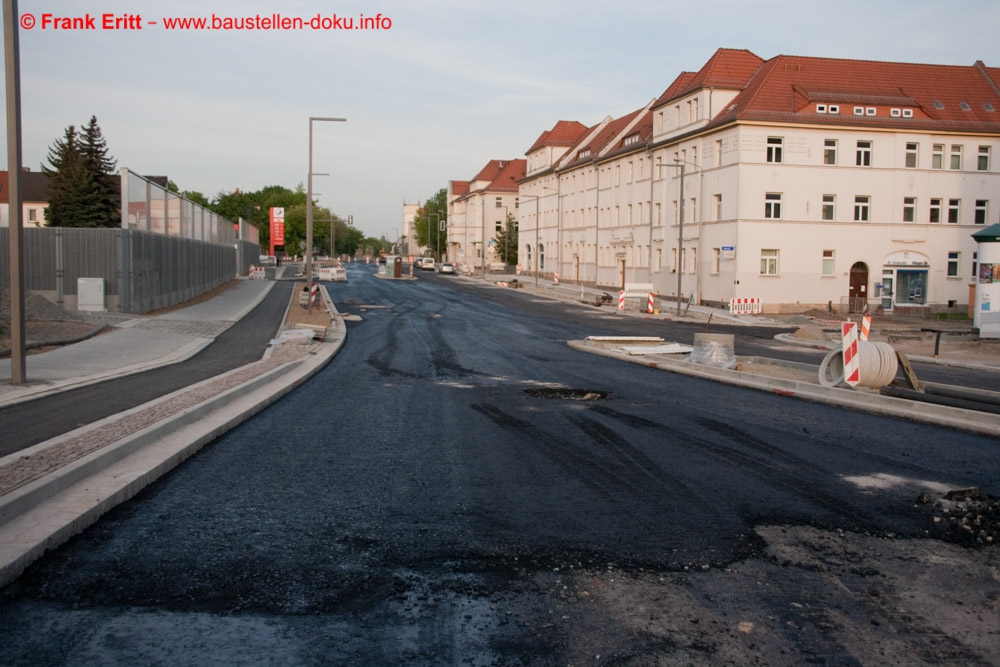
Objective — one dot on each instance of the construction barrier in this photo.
(621, 300)
(257, 272)
(555, 278)
(744, 306)
(852, 365)
(649, 306)
(866, 325)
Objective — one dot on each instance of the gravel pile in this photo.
(35, 308)
(963, 516)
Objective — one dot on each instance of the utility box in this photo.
(397, 267)
(90, 294)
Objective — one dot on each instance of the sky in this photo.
(441, 88)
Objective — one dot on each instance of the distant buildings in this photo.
(34, 198)
(807, 183)
(477, 209)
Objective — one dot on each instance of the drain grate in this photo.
(562, 393)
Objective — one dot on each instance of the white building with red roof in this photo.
(808, 182)
(478, 209)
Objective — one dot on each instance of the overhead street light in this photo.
(680, 226)
(309, 199)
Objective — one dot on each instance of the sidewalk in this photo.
(55, 489)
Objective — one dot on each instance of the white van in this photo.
(426, 263)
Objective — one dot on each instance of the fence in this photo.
(168, 250)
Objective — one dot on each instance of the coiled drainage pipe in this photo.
(877, 362)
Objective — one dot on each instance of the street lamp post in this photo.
(309, 199)
(437, 233)
(537, 225)
(681, 164)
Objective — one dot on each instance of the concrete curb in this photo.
(863, 401)
(46, 513)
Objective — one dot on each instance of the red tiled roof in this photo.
(787, 88)
(609, 132)
(727, 68)
(459, 188)
(490, 171)
(34, 187)
(564, 133)
(506, 180)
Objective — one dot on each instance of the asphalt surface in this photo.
(242, 343)
(431, 497)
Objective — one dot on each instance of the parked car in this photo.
(426, 263)
(447, 267)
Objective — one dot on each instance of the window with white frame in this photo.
(830, 151)
(829, 207)
(862, 204)
(718, 153)
(659, 260)
(827, 262)
(659, 218)
(673, 260)
(955, 163)
(717, 206)
(909, 209)
(937, 156)
(911, 154)
(694, 260)
(935, 211)
(499, 202)
(981, 211)
(716, 257)
(32, 215)
(954, 205)
(953, 258)
(772, 206)
(774, 146)
(769, 262)
(983, 163)
(863, 157)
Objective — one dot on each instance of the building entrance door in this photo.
(857, 296)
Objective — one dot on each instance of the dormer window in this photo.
(820, 108)
(834, 108)
(630, 140)
(585, 153)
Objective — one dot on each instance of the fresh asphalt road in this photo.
(418, 499)
(242, 343)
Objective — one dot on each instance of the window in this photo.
(829, 207)
(718, 153)
(820, 108)
(659, 220)
(935, 215)
(499, 226)
(937, 156)
(774, 146)
(861, 204)
(527, 249)
(827, 262)
(717, 201)
(909, 209)
(830, 151)
(953, 206)
(981, 211)
(956, 157)
(628, 173)
(864, 155)
(859, 111)
(517, 202)
(911, 155)
(32, 215)
(772, 206)
(834, 108)
(499, 202)
(695, 110)
(907, 113)
(541, 256)
(716, 256)
(983, 163)
(953, 264)
(768, 262)
(870, 111)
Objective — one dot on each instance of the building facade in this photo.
(805, 182)
(477, 211)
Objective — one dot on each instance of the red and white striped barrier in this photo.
(518, 269)
(555, 278)
(852, 365)
(866, 326)
(744, 306)
(313, 293)
(256, 272)
(621, 300)
(649, 305)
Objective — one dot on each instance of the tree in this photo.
(107, 207)
(83, 189)
(507, 241)
(429, 224)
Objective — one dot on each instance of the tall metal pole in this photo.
(482, 231)
(13, 72)
(309, 199)
(680, 239)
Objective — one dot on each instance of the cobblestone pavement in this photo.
(184, 327)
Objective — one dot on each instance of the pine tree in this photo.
(101, 168)
(83, 190)
(507, 241)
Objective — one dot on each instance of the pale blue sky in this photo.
(451, 85)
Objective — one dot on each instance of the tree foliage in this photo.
(83, 191)
(506, 240)
(430, 223)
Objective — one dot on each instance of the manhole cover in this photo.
(568, 394)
